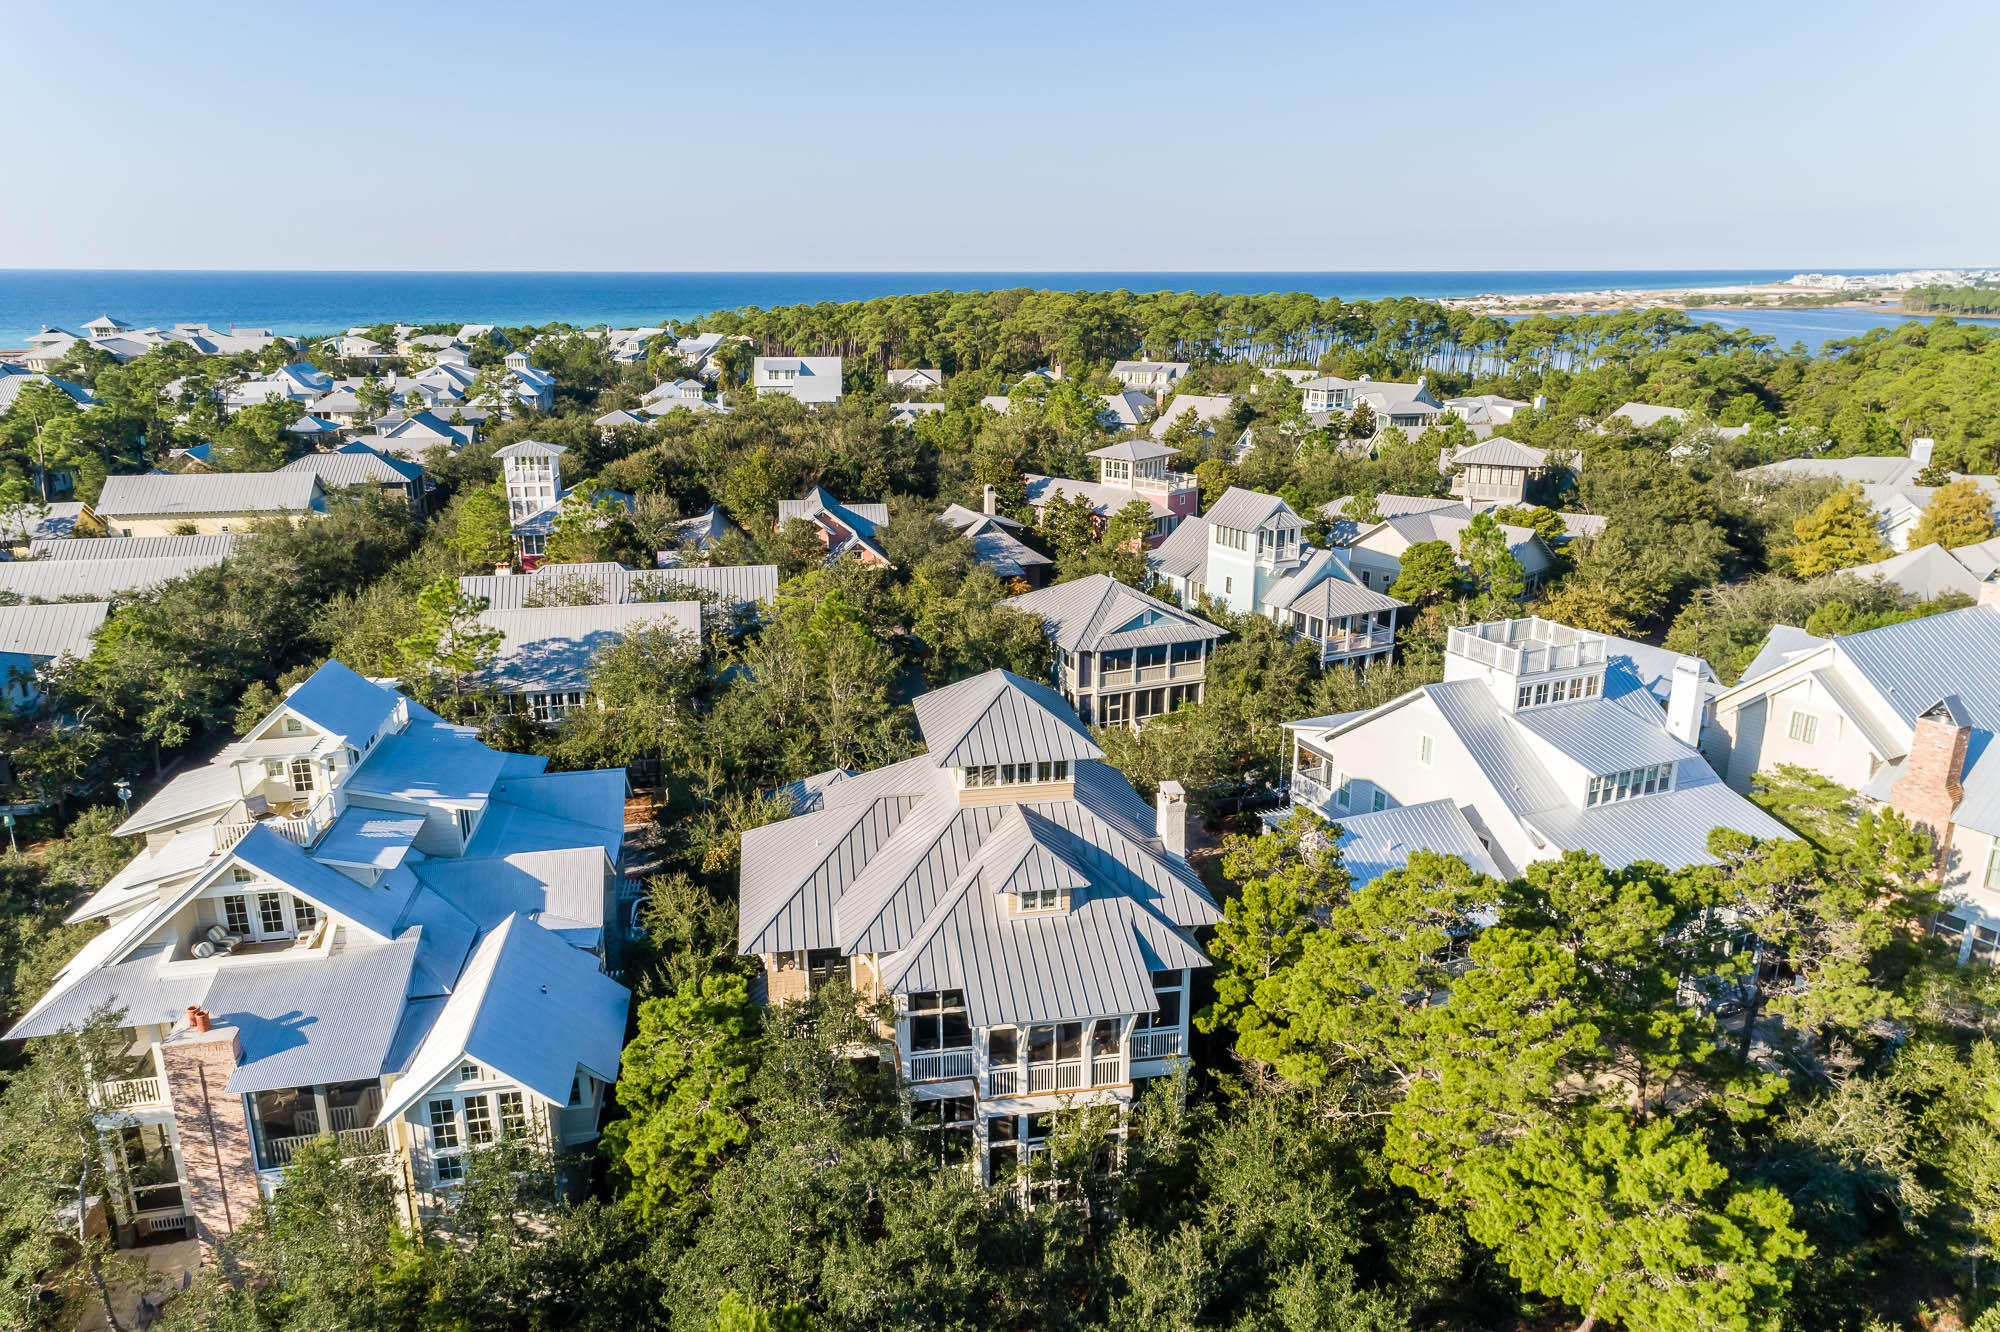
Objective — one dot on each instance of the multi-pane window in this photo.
(450, 1169)
(1985, 946)
(1555, 691)
(468, 1071)
(938, 1021)
(302, 774)
(1047, 898)
(478, 1121)
(1343, 790)
(1167, 1002)
(236, 914)
(513, 1114)
(237, 874)
(1003, 1145)
(271, 912)
(1380, 802)
(1630, 783)
(444, 1124)
(1993, 868)
(1804, 728)
(951, 1119)
(553, 707)
(305, 913)
(1426, 749)
(1016, 774)
(1180, 654)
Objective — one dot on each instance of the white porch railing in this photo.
(1064, 1076)
(1164, 485)
(131, 1092)
(1003, 1081)
(1160, 1044)
(300, 829)
(352, 1142)
(227, 835)
(164, 1219)
(1106, 1070)
(1308, 789)
(933, 1065)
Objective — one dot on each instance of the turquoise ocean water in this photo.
(323, 302)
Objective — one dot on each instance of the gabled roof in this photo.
(1324, 587)
(530, 1007)
(342, 703)
(1927, 572)
(207, 493)
(1184, 554)
(861, 519)
(1499, 451)
(1247, 510)
(128, 548)
(43, 633)
(999, 717)
(1099, 613)
(100, 580)
(551, 647)
(1374, 843)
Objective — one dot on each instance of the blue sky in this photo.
(936, 136)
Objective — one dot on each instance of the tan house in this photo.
(191, 504)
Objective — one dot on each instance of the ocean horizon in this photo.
(331, 301)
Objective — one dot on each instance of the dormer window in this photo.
(1632, 782)
(237, 874)
(1231, 537)
(1016, 774)
(1556, 691)
(1037, 901)
(293, 726)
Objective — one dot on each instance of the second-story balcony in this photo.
(1162, 1043)
(300, 823)
(1163, 672)
(1166, 484)
(1336, 646)
(131, 1094)
(939, 1065)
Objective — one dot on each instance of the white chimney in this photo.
(989, 502)
(1171, 804)
(502, 570)
(1684, 702)
(1921, 450)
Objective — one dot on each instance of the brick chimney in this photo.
(211, 1126)
(1170, 807)
(1929, 789)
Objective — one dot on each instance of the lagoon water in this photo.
(327, 302)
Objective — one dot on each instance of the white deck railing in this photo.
(1161, 1044)
(131, 1092)
(933, 1065)
(352, 1142)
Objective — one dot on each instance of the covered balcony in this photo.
(285, 1120)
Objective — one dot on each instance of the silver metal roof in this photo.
(164, 493)
(219, 545)
(547, 648)
(1243, 510)
(891, 863)
(56, 580)
(999, 717)
(43, 633)
(1099, 613)
(329, 1020)
(1374, 843)
(743, 584)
